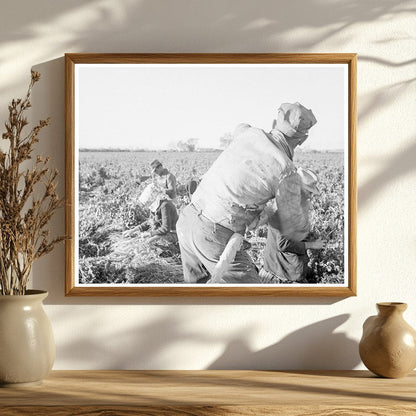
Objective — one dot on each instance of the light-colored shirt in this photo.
(253, 169)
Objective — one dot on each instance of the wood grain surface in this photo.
(202, 393)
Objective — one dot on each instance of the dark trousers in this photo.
(202, 242)
(283, 264)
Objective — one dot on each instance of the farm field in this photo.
(111, 182)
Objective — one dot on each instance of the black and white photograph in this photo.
(209, 175)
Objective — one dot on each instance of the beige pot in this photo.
(27, 347)
(388, 344)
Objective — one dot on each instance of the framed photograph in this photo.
(211, 174)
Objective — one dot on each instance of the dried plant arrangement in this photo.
(28, 199)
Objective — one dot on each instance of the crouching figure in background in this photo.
(160, 227)
(164, 221)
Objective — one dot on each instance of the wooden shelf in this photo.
(253, 393)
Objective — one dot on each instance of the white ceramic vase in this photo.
(27, 347)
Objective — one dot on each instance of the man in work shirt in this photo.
(256, 167)
(164, 178)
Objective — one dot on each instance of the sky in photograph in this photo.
(153, 106)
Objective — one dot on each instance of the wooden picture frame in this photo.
(95, 82)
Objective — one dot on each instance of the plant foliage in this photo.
(28, 198)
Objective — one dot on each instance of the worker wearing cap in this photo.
(255, 168)
(286, 258)
(164, 178)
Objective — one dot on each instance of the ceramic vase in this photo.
(27, 347)
(388, 345)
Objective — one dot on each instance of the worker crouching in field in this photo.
(165, 218)
(161, 226)
(256, 167)
(285, 256)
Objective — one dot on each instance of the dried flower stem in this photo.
(23, 218)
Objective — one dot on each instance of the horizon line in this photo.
(128, 149)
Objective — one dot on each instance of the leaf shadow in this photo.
(315, 346)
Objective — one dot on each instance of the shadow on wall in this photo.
(124, 348)
(152, 345)
(313, 347)
(48, 100)
(242, 26)
(381, 98)
(150, 26)
(391, 170)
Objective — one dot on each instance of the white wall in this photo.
(194, 333)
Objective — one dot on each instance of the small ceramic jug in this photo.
(388, 344)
